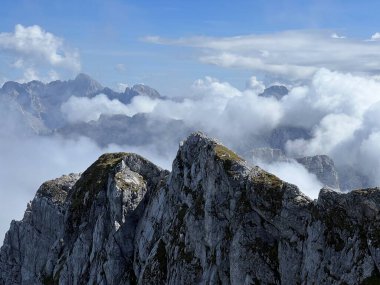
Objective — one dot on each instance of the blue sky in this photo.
(109, 35)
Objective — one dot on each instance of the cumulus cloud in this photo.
(83, 109)
(222, 110)
(34, 43)
(345, 121)
(375, 37)
(32, 48)
(341, 113)
(296, 54)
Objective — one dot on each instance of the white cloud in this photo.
(295, 54)
(297, 174)
(122, 86)
(33, 43)
(375, 37)
(224, 111)
(29, 75)
(34, 50)
(331, 131)
(83, 109)
(255, 85)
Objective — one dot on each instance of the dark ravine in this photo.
(212, 220)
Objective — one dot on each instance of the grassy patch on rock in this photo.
(227, 156)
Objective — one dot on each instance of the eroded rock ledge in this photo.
(212, 220)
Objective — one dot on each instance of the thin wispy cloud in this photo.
(296, 54)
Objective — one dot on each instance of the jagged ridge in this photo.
(212, 220)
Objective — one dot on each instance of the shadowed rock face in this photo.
(275, 91)
(212, 220)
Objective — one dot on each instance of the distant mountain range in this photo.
(41, 103)
(37, 107)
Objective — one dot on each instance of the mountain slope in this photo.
(212, 220)
(42, 102)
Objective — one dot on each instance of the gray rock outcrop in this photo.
(212, 220)
(323, 167)
(268, 155)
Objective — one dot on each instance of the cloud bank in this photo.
(83, 109)
(338, 110)
(295, 54)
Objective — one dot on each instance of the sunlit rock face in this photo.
(211, 220)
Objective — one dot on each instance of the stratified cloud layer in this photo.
(295, 54)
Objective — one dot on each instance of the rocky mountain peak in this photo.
(82, 77)
(145, 90)
(12, 88)
(275, 91)
(323, 167)
(212, 220)
(56, 190)
(84, 85)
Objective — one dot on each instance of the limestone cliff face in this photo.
(212, 220)
(323, 167)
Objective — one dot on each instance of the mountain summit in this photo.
(212, 220)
